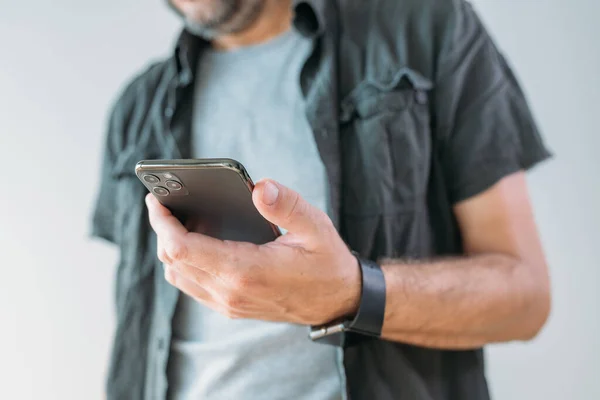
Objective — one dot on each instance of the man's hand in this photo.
(308, 276)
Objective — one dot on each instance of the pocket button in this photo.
(421, 97)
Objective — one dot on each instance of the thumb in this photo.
(287, 209)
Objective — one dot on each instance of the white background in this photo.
(62, 63)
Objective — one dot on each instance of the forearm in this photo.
(463, 302)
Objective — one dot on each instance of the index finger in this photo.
(162, 220)
(200, 251)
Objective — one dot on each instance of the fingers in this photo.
(162, 221)
(161, 253)
(188, 287)
(208, 292)
(287, 209)
(176, 244)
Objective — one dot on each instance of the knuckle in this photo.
(233, 302)
(162, 256)
(176, 250)
(242, 281)
(198, 279)
(296, 207)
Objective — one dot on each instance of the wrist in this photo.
(351, 288)
(367, 319)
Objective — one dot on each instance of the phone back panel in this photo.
(216, 198)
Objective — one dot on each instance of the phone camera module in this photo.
(161, 191)
(174, 185)
(151, 179)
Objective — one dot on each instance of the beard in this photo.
(210, 18)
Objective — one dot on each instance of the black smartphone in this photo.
(210, 196)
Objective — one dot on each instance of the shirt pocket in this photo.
(386, 140)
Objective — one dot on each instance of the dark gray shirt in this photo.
(413, 109)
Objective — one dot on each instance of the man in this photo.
(393, 129)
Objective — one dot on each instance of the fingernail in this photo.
(270, 193)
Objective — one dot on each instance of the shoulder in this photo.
(392, 13)
(403, 33)
(382, 37)
(134, 100)
(140, 89)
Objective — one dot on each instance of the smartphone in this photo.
(209, 196)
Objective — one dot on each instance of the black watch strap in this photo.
(369, 319)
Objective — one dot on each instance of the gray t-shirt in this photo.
(249, 107)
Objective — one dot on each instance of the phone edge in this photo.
(228, 163)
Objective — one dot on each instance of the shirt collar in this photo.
(310, 18)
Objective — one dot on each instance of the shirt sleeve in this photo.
(482, 119)
(103, 218)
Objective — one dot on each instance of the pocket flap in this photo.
(397, 93)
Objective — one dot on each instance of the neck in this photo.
(275, 18)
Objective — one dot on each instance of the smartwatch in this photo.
(368, 321)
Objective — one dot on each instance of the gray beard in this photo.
(203, 31)
(244, 17)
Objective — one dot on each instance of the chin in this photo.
(197, 10)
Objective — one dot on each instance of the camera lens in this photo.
(152, 179)
(161, 191)
(174, 185)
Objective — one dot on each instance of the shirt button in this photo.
(421, 97)
(169, 112)
(185, 78)
(161, 343)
